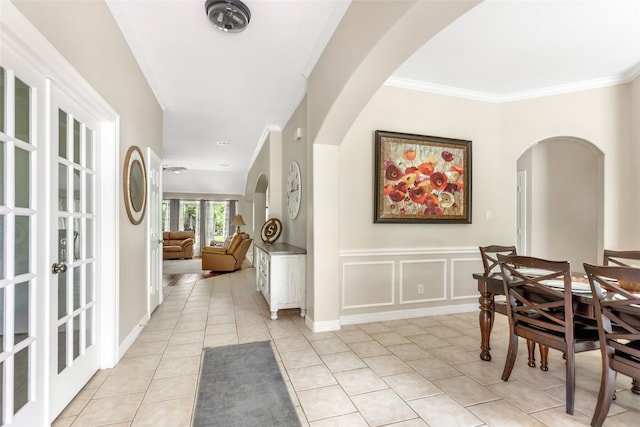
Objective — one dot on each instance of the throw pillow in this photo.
(227, 242)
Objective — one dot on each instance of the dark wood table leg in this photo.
(486, 309)
(531, 349)
(544, 356)
(635, 387)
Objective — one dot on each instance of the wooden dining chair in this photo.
(491, 265)
(618, 316)
(544, 314)
(489, 257)
(621, 258)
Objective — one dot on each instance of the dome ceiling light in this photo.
(228, 15)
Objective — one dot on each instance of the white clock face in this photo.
(294, 190)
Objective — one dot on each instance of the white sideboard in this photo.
(281, 275)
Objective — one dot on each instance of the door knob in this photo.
(59, 267)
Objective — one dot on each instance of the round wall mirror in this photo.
(135, 185)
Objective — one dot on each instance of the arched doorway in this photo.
(560, 207)
(260, 202)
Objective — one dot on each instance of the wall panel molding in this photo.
(463, 286)
(387, 252)
(428, 281)
(369, 286)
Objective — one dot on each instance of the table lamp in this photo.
(238, 221)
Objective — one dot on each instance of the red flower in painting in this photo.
(387, 189)
(396, 195)
(426, 168)
(432, 205)
(402, 186)
(411, 170)
(393, 173)
(447, 156)
(451, 187)
(438, 181)
(417, 194)
(431, 199)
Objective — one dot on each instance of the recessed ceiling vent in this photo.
(231, 16)
(173, 169)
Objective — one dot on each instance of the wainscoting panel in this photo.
(463, 286)
(428, 281)
(368, 284)
(423, 281)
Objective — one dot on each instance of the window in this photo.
(216, 214)
(166, 215)
(189, 215)
(208, 219)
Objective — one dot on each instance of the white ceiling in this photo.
(231, 88)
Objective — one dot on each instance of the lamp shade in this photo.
(237, 221)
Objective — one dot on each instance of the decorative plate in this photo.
(271, 230)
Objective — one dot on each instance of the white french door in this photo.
(154, 234)
(54, 330)
(22, 336)
(75, 353)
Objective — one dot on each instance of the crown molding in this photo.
(421, 86)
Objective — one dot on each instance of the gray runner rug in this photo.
(241, 385)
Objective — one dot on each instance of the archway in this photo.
(561, 203)
(260, 202)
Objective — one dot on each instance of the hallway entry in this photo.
(563, 200)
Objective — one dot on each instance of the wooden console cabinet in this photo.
(281, 275)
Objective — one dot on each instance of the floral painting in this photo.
(422, 178)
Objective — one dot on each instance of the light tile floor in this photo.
(414, 372)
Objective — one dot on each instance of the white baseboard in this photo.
(135, 333)
(331, 325)
(404, 314)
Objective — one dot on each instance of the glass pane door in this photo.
(74, 307)
(17, 247)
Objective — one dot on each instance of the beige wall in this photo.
(372, 40)
(634, 204)
(259, 183)
(566, 192)
(295, 230)
(337, 213)
(272, 162)
(88, 37)
(382, 264)
(600, 116)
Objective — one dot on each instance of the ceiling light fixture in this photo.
(228, 15)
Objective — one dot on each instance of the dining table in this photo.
(491, 285)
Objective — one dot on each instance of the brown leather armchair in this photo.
(220, 259)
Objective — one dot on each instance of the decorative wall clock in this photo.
(294, 190)
(135, 185)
